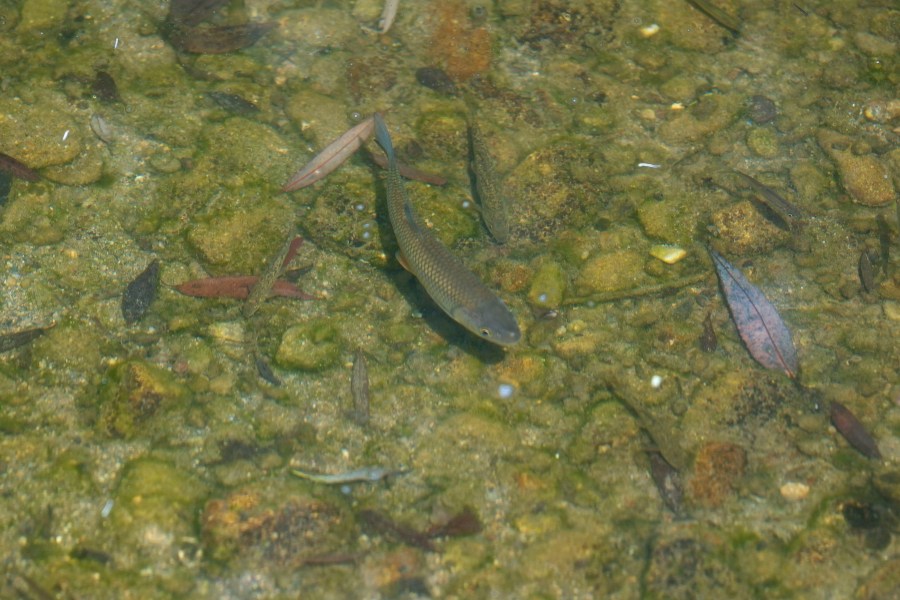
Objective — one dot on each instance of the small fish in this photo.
(334, 155)
(140, 293)
(866, 271)
(365, 474)
(450, 284)
(789, 215)
(263, 286)
(359, 386)
(718, 15)
(758, 323)
(493, 204)
(667, 480)
(13, 167)
(237, 287)
(853, 431)
(708, 340)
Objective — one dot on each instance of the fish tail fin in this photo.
(383, 137)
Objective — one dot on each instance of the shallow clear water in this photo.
(153, 460)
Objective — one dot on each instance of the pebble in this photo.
(794, 491)
(863, 176)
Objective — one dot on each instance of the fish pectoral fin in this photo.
(402, 260)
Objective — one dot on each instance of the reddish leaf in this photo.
(853, 431)
(10, 165)
(758, 323)
(237, 287)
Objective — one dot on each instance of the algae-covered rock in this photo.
(32, 132)
(672, 220)
(155, 506)
(547, 286)
(33, 218)
(864, 176)
(133, 393)
(710, 114)
(239, 239)
(743, 230)
(763, 142)
(274, 528)
(310, 346)
(620, 270)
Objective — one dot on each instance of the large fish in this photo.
(450, 284)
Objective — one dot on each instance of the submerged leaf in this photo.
(8, 341)
(853, 431)
(333, 156)
(758, 323)
(237, 287)
(140, 293)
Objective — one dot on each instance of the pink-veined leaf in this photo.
(333, 156)
(758, 323)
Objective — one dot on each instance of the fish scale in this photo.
(450, 284)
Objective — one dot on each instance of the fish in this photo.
(365, 474)
(789, 214)
(263, 286)
(455, 289)
(494, 211)
(718, 15)
(359, 386)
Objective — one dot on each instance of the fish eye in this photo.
(485, 332)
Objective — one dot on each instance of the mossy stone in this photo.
(619, 270)
(673, 220)
(238, 239)
(547, 286)
(133, 393)
(33, 218)
(156, 494)
(311, 346)
(763, 142)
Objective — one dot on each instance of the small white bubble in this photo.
(367, 235)
(505, 390)
(656, 382)
(345, 489)
(360, 207)
(542, 298)
(367, 225)
(466, 204)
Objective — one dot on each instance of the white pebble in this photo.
(793, 490)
